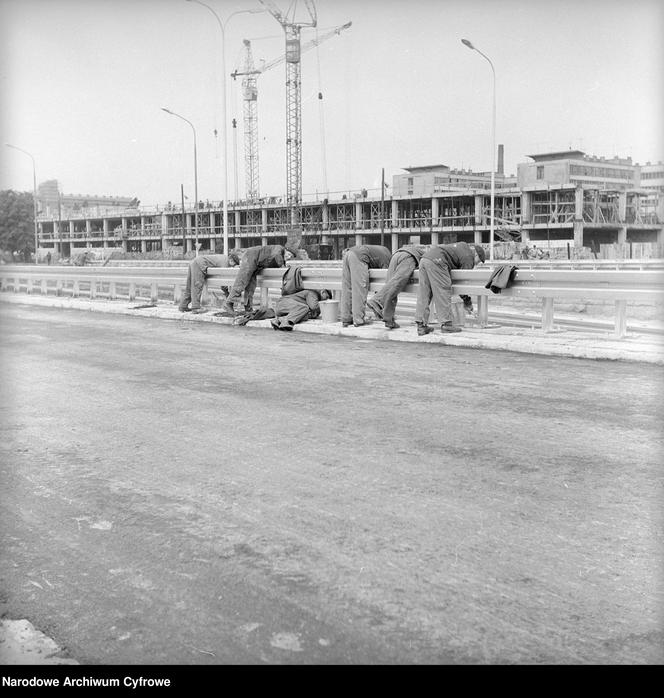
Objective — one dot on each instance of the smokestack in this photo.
(501, 160)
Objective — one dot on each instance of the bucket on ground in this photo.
(329, 311)
(458, 312)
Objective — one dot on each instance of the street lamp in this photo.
(168, 111)
(224, 135)
(34, 195)
(467, 43)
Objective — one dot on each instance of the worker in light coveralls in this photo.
(196, 276)
(254, 260)
(402, 265)
(435, 282)
(357, 261)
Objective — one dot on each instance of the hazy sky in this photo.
(83, 81)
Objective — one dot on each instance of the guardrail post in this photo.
(58, 287)
(177, 293)
(547, 314)
(154, 293)
(29, 287)
(621, 318)
(483, 311)
(112, 291)
(44, 287)
(93, 289)
(76, 290)
(132, 291)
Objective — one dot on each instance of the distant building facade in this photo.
(651, 177)
(53, 203)
(578, 169)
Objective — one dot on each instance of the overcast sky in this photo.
(83, 83)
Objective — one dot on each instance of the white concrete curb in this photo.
(570, 343)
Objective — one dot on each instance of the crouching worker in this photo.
(255, 259)
(289, 310)
(402, 265)
(436, 282)
(357, 261)
(196, 276)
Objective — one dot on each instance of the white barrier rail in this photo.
(545, 285)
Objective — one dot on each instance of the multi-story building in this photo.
(578, 169)
(52, 202)
(563, 198)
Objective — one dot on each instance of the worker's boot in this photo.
(423, 329)
(449, 327)
(227, 309)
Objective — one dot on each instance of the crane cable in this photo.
(322, 119)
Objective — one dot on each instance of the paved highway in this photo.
(193, 493)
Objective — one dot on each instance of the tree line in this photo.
(17, 223)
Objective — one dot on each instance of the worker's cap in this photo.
(292, 249)
(480, 252)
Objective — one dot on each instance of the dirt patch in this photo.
(22, 643)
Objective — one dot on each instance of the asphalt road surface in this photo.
(191, 493)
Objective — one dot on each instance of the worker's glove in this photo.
(468, 305)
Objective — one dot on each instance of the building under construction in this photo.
(565, 197)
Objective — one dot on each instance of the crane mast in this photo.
(250, 114)
(250, 95)
(292, 29)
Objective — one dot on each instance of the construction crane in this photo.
(292, 29)
(250, 98)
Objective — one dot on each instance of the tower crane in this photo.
(250, 75)
(292, 29)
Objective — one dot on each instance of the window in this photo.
(540, 172)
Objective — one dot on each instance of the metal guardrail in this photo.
(545, 285)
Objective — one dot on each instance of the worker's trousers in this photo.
(354, 289)
(435, 284)
(402, 266)
(245, 282)
(193, 287)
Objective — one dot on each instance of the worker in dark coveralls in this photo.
(355, 280)
(254, 260)
(196, 275)
(402, 265)
(290, 309)
(436, 282)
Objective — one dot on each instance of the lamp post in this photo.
(224, 135)
(467, 43)
(168, 111)
(34, 195)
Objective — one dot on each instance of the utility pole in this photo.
(382, 208)
(184, 219)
